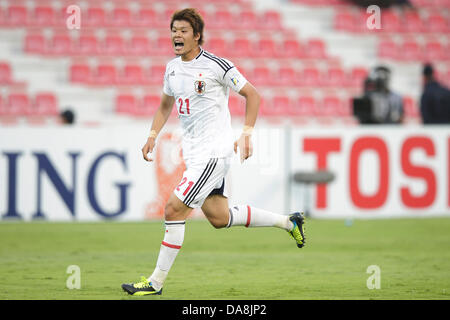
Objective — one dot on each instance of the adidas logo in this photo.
(172, 73)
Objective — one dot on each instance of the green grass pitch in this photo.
(238, 263)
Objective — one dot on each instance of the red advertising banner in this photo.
(379, 171)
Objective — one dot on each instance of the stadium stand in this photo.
(295, 59)
(5, 74)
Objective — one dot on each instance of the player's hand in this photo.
(244, 143)
(148, 147)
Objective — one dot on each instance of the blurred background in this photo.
(343, 95)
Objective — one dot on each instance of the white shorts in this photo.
(202, 179)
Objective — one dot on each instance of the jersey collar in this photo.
(201, 52)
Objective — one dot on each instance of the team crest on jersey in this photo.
(200, 87)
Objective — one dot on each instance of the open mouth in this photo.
(178, 44)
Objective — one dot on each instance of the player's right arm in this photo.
(159, 120)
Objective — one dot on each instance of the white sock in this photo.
(243, 215)
(173, 239)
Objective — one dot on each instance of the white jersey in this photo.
(201, 88)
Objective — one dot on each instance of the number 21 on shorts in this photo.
(183, 181)
(184, 106)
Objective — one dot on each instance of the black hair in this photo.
(428, 70)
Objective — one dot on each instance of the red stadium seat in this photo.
(240, 48)
(163, 19)
(2, 106)
(156, 74)
(412, 22)
(388, 49)
(270, 20)
(236, 105)
(146, 17)
(261, 76)
(139, 46)
(35, 43)
(17, 16)
(45, 104)
(345, 21)
(5, 110)
(304, 106)
(201, 6)
(61, 15)
(335, 77)
(95, 17)
(5, 74)
(221, 19)
(133, 75)
(290, 48)
(113, 45)
(126, 103)
(265, 48)
(441, 3)
(61, 44)
(286, 77)
(280, 105)
(2, 18)
(44, 16)
(106, 75)
(331, 106)
(80, 73)
(150, 104)
(316, 49)
(18, 103)
(357, 77)
(217, 46)
(88, 45)
(448, 50)
(410, 51)
(437, 23)
(310, 77)
(390, 21)
(247, 20)
(120, 17)
(434, 51)
(163, 46)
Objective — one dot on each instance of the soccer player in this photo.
(198, 83)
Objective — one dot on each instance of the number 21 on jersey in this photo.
(183, 105)
(183, 181)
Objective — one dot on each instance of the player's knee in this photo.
(171, 212)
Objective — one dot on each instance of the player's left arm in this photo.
(244, 143)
